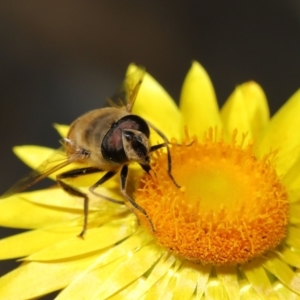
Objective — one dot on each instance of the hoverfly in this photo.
(104, 140)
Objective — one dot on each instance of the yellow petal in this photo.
(283, 134)
(247, 292)
(294, 196)
(283, 272)
(128, 271)
(86, 283)
(198, 102)
(34, 156)
(159, 270)
(44, 159)
(257, 107)
(20, 213)
(155, 105)
(171, 287)
(295, 212)
(259, 279)
(284, 293)
(292, 180)
(134, 288)
(290, 256)
(95, 239)
(234, 114)
(228, 277)
(26, 243)
(107, 261)
(204, 273)
(57, 197)
(215, 290)
(293, 237)
(34, 279)
(62, 129)
(186, 282)
(129, 245)
(246, 110)
(158, 291)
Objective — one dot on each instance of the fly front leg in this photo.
(147, 168)
(123, 179)
(165, 144)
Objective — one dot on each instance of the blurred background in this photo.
(59, 59)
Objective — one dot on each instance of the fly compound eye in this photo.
(112, 147)
(135, 123)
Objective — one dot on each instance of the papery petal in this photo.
(259, 279)
(62, 129)
(28, 280)
(33, 156)
(257, 107)
(283, 272)
(292, 180)
(283, 292)
(23, 244)
(135, 266)
(228, 277)
(293, 237)
(20, 213)
(186, 282)
(282, 134)
(295, 212)
(159, 270)
(198, 102)
(158, 291)
(291, 257)
(44, 159)
(215, 290)
(57, 197)
(106, 261)
(234, 114)
(134, 288)
(155, 105)
(86, 283)
(95, 239)
(204, 272)
(246, 110)
(294, 196)
(247, 292)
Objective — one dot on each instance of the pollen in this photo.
(231, 206)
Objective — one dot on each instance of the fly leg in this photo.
(147, 168)
(75, 192)
(103, 179)
(123, 179)
(165, 144)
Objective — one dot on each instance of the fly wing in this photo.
(126, 95)
(54, 163)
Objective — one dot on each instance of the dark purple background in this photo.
(59, 59)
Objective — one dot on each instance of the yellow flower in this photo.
(231, 231)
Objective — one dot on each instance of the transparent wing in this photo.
(126, 95)
(55, 162)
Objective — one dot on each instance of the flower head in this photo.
(231, 231)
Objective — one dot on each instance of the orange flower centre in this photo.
(231, 206)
